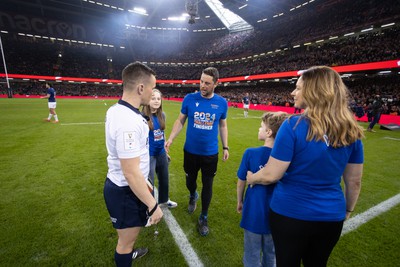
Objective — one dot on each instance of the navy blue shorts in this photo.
(124, 207)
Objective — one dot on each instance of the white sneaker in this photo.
(171, 204)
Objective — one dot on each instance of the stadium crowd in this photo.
(27, 55)
(362, 91)
(279, 36)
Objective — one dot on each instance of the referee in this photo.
(128, 199)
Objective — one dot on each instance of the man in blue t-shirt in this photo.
(206, 113)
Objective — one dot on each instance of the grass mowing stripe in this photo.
(360, 219)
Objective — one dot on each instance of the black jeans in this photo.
(375, 120)
(309, 241)
(192, 163)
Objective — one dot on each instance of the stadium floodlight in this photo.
(176, 18)
(139, 10)
(385, 72)
(348, 34)
(387, 25)
(366, 30)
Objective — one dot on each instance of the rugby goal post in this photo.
(9, 90)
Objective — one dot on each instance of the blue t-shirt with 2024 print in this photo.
(203, 116)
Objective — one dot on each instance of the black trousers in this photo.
(296, 241)
(208, 165)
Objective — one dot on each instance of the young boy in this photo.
(258, 244)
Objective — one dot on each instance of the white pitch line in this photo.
(180, 238)
(358, 220)
(243, 118)
(82, 123)
(391, 138)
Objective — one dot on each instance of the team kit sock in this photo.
(123, 260)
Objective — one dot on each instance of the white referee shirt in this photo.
(127, 136)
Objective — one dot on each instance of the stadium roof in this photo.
(230, 15)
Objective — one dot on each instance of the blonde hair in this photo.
(274, 120)
(159, 113)
(326, 99)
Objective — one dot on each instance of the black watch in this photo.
(225, 148)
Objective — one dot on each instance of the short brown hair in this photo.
(274, 120)
(213, 72)
(136, 72)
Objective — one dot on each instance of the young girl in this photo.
(258, 245)
(158, 156)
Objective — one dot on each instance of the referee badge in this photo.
(128, 140)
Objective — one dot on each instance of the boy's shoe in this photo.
(192, 203)
(139, 252)
(171, 204)
(203, 226)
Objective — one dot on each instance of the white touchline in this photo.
(358, 220)
(180, 238)
(391, 138)
(243, 118)
(82, 123)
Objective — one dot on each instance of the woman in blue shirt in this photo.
(312, 152)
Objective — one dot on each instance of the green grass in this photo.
(53, 213)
